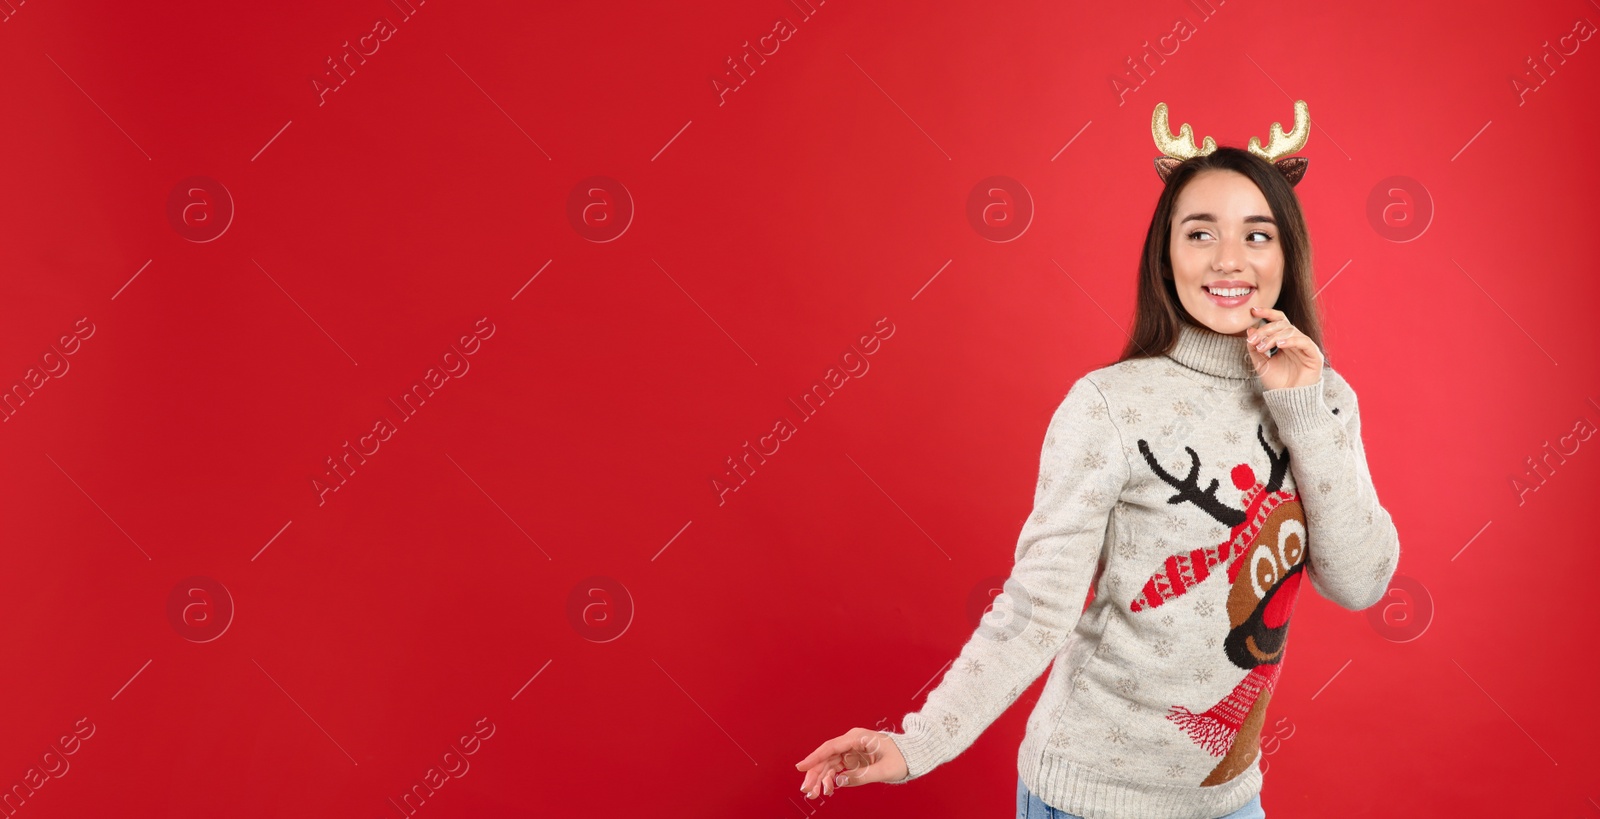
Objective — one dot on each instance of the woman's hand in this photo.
(858, 757)
(1297, 363)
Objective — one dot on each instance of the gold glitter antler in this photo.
(1280, 144)
(1181, 146)
(1176, 149)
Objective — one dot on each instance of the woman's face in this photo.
(1224, 238)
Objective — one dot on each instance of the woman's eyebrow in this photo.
(1206, 217)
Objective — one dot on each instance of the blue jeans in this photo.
(1030, 806)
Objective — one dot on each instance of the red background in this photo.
(447, 580)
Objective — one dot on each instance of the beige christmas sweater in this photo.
(1194, 504)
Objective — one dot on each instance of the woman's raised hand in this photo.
(857, 757)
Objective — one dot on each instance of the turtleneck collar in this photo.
(1201, 348)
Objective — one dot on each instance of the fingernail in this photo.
(839, 781)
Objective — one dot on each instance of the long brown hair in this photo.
(1157, 309)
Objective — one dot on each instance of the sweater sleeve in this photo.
(1082, 471)
(1352, 547)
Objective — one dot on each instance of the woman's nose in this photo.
(1228, 255)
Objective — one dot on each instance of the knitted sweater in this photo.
(1193, 503)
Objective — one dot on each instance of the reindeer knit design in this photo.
(1191, 507)
(1183, 571)
(1215, 728)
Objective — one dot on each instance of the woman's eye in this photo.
(1265, 236)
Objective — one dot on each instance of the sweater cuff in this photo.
(1300, 410)
(919, 746)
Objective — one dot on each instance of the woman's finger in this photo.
(1272, 335)
(825, 776)
(812, 782)
(832, 747)
(1268, 329)
(1301, 348)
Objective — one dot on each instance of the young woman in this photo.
(1192, 485)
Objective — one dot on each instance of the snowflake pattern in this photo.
(1126, 549)
(1204, 607)
(1167, 620)
(1044, 637)
(1094, 498)
(1369, 517)
(1094, 460)
(1117, 734)
(1231, 436)
(1182, 407)
(1341, 438)
(1147, 389)
(952, 724)
(1211, 642)
(1118, 762)
(1383, 569)
(1130, 415)
(1126, 686)
(1174, 771)
(972, 666)
(1176, 524)
(1324, 486)
(1202, 675)
(1097, 411)
(1045, 481)
(1163, 648)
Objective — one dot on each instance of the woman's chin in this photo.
(1230, 321)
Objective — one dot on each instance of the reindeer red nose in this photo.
(1282, 603)
(1243, 476)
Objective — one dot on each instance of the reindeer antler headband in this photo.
(1175, 149)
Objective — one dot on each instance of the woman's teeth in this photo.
(1228, 291)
